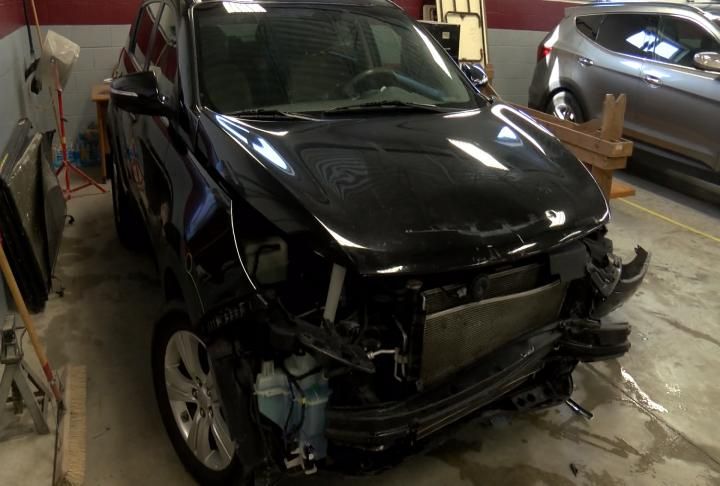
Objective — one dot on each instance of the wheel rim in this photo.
(195, 405)
(564, 111)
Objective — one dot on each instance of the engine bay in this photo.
(317, 338)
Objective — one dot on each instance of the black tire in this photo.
(565, 106)
(173, 322)
(128, 222)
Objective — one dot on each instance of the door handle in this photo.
(584, 61)
(652, 80)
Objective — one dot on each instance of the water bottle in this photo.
(57, 156)
(76, 155)
(71, 151)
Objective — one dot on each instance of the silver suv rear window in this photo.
(588, 25)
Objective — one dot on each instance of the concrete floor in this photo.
(656, 414)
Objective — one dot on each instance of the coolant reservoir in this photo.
(273, 393)
(316, 393)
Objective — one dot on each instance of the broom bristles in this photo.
(72, 441)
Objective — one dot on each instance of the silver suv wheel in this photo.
(566, 107)
(194, 402)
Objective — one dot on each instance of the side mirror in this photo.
(476, 74)
(708, 61)
(139, 93)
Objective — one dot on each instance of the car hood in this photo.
(414, 192)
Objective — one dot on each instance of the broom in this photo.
(71, 432)
(70, 444)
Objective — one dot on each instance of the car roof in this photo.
(644, 6)
(713, 8)
(366, 3)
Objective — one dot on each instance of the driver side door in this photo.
(682, 102)
(137, 145)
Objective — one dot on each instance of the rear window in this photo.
(588, 25)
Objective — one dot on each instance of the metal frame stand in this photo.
(66, 166)
(18, 379)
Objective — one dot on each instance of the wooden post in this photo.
(597, 143)
(611, 128)
(613, 119)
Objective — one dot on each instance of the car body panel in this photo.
(187, 215)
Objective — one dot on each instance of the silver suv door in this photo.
(613, 63)
(681, 103)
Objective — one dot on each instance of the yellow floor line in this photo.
(671, 221)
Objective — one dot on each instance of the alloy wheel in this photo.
(194, 401)
(564, 111)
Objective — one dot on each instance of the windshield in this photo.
(294, 58)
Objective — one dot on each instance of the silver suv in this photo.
(665, 57)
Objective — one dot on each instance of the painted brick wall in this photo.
(515, 28)
(12, 61)
(11, 16)
(513, 55)
(100, 28)
(538, 15)
(87, 12)
(100, 47)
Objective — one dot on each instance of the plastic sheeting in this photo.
(64, 51)
(32, 212)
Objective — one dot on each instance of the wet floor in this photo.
(656, 419)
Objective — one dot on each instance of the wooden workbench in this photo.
(597, 143)
(100, 95)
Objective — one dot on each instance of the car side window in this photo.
(680, 39)
(140, 45)
(163, 58)
(589, 25)
(633, 34)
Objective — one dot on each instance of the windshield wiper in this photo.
(273, 114)
(387, 104)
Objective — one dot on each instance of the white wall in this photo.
(14, 58)
(513, 54)
(99, 50)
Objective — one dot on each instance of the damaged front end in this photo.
(323, 362)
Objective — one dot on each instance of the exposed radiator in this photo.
(457, 337)
(512, 281)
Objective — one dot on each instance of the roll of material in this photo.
(32, 212)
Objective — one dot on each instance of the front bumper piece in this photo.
(614, 290)
(382, 427)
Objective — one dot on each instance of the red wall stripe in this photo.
(87, 12)
(11, 16)
(539, 15)
(524, 14)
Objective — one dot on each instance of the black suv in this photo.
(357, 247)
